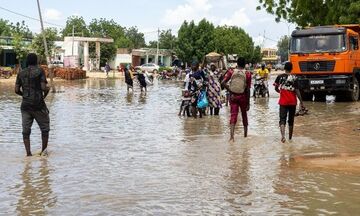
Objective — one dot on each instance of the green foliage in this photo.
(204, 39)
(283, 47)
(195, 41)
(161, 69)
(108, 29)
(314, 12)
(152, 44)
(19, 32)
(80, 27)
(21, 49)
(20, 28)
(135, 38)
(5, 28)
(37, 45)
(234, 40)
(167, 40)
(257, 55)
(185, 45)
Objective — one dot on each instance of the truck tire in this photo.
(320, 97)
(354, 94)
(306, 96)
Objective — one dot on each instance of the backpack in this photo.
(238, 82)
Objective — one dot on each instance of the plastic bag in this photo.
(202, 100)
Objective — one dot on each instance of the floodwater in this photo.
(113, 153)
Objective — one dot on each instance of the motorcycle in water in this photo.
(164, 76)
(260, 88)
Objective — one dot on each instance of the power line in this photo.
(29, 17)
(270, 39)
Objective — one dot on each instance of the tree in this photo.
(20, 28)
(136, 38)
(185, 48)
(106, 28)
(167, 40)
(234, 40)
(5, 28)
(314, 12)
(257, 56)
(204, 39)
(79, 25)
(20, 47)
(37, 45)
(19, 32)
(195, 41)
(152, 44)
(283, 47)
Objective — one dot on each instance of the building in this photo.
(270, 56)
(148, 55)
(123, 57)
(7, 52)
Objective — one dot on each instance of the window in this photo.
(354, 42)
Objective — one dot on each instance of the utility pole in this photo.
(46, 49)
(157, 48)
(72, 47)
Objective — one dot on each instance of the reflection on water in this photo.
(36, 195)
(119, 153)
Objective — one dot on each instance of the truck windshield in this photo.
(318, 44)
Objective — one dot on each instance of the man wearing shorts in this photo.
(31, 85)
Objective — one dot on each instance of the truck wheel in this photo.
(321, 97)
(306, 96)
(354, 94)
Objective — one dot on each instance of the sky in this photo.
(149, 15)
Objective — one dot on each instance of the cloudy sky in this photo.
(148, 15)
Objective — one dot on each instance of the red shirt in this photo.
(287, 85)
(230, 72)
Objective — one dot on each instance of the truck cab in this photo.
(326, 60)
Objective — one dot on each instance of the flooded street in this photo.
(113, 153)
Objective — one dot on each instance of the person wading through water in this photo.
(239, 88)
(31, 85)
(214, 90)
(142, 81)
(286, 85)
(129, 78)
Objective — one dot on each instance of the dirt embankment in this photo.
(340, 162)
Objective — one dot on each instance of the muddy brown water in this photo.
(113, 153)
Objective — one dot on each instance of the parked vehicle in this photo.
(150, 67)
(279, 66)
(326, 60)
(5, 72)
(57, 63)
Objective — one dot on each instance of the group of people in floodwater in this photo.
(202, 89)
(202, 94)
(143, 78)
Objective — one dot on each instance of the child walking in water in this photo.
(286, 85)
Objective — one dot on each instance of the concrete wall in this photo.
(120, 59)
(67, 46)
